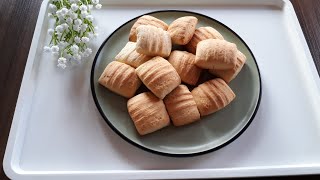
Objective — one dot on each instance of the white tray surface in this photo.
(61, 130)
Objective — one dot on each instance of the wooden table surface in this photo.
(17, 23)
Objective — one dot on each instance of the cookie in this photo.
(159, 76)
(181, 106)
(120, 78)
(146, 20)
(148, 113)
(212, 96)
(182, 29)
(153, 41)
(183, 62)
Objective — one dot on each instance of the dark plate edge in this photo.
(159, 152)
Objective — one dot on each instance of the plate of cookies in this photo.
(176, 83)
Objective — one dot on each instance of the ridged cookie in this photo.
(153, 41)
(148, 113)
(146, 20)
(183, 62)
(130, 56)
(159, 76)
(212, 96)
(182, 29)
(181, 106)
(229, 74)
(216, 54)
(120, 78)
(202, 33)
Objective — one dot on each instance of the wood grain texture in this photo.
(17, 23)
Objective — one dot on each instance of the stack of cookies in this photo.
(148, 59)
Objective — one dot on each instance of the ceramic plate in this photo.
(211, 132)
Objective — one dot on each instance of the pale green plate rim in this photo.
(160, 152)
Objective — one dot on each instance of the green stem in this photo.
(62, 35)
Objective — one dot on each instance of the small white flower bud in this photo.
(89, 17)
(83, 8)
(78, 22)
(74, 7)
(98, 6)
(85, 39)
(62, 60)
(95, 1)
(62, 66)
(77, 39)
(64, 11)
(74, 15)
(46, 49)
(50, 31)
(55, 49)
(69, 20)
(74, 48)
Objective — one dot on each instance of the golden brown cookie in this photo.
(181, 106)
(130, 56)
(202, 33)
(120, 78)
(183, 62)
(216, 54)
(182, 29)
(153, 41)
(159, 76)
(146, 20)
(230, 74)
(148, 113)
(212, 96)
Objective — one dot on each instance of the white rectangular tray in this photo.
(57, 131)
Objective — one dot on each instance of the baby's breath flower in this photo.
(78, 22)
(46, 49)
(74, 7)
(90, 35)
(50, 31)
(64, 11)
(98, 6)
(89, 17)
(74, 15)
(74, 48)
(84, 27)
(62, 60)
(76, 28)
(62, 44)
(83, 7)
(72, 31)
(59, 28)
(77, 57)
(77, 39)
(65, 26)
(87, 52)
(95, 1)
(69, 20)
(62, 66)
(55, 54)
(59, 13)
(55, 49)
(85, 39)
(52, 7)
(84, 14)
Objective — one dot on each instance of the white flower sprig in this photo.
(73, 30)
